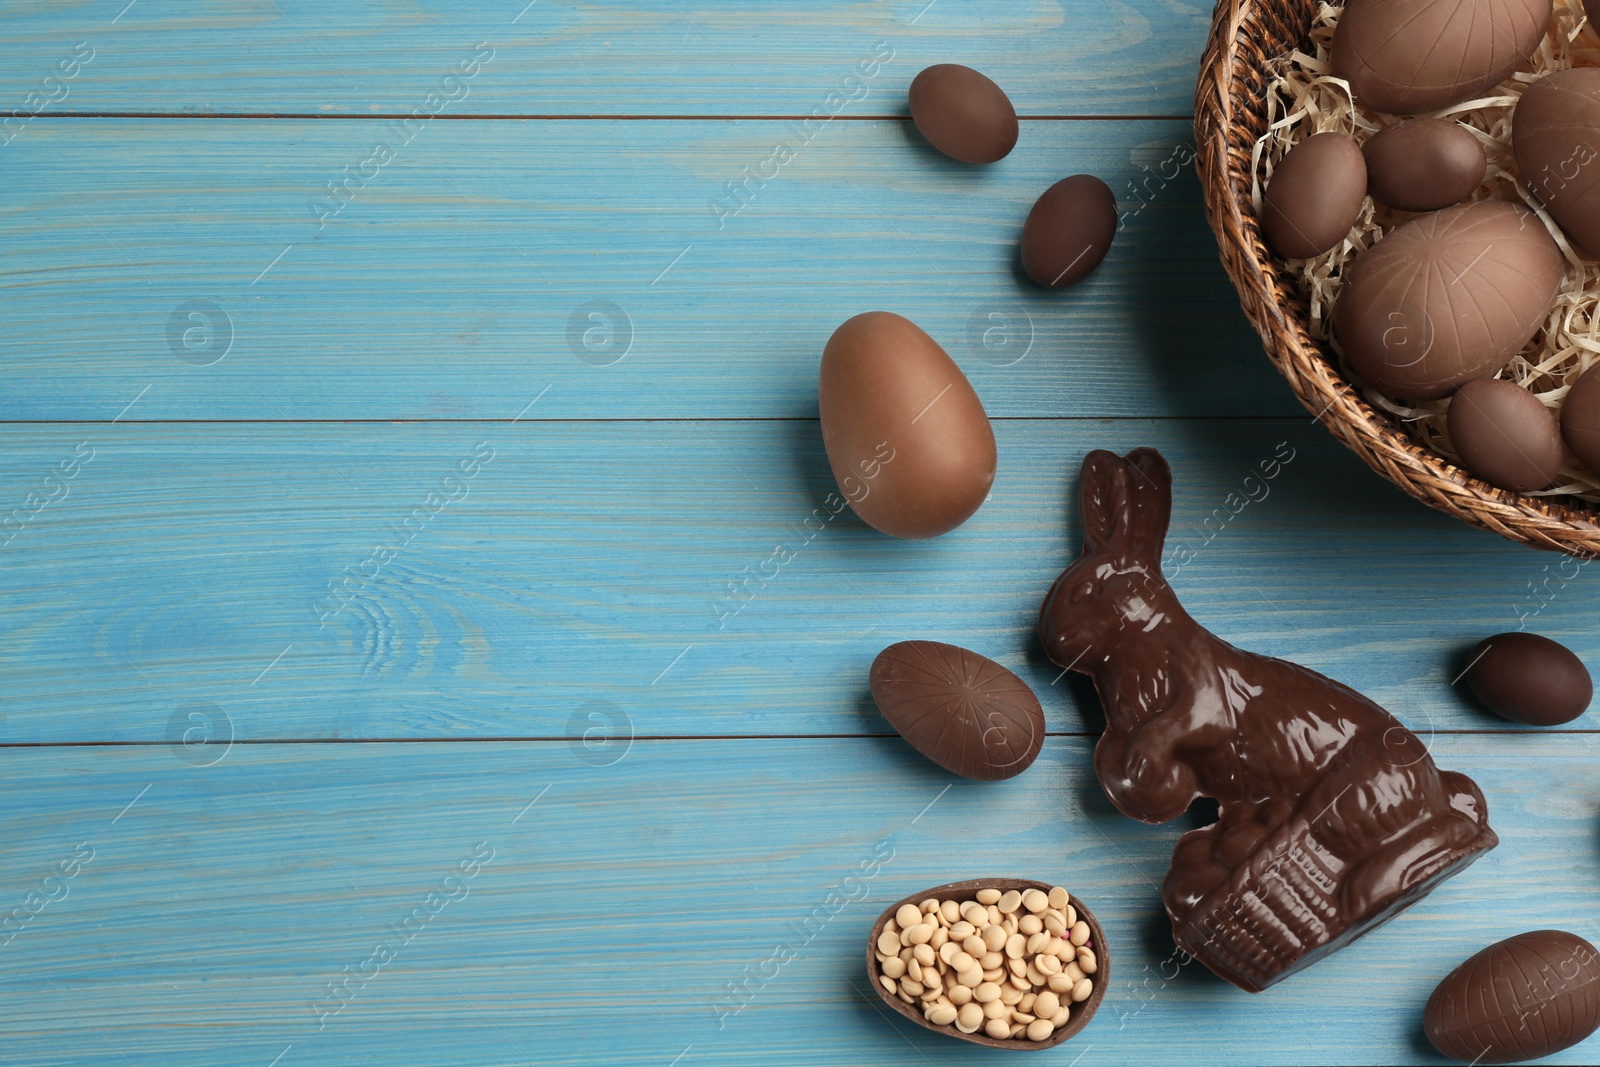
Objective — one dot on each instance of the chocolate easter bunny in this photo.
(1333, 816)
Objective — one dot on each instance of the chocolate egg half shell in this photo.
(1555, 134)
(1069, 231)
(1410, 56)
(1447, 297)
(1424, 164)
(1314, 196)
(1504, 435)
(1529, 679)
(965, 712)
(907, 437)
(963, 113)
(1519, 999)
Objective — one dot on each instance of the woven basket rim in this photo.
(1245, 35)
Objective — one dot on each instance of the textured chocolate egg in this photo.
(965, 712)
(1314, 196)
(908, 440)
(1555, 133)
(1519, 999)
(1529, 679)
(1069, 231)
(1410, 56)
(963, 114)
(1447, 297)
(1424, 164)
(1580, 418)
(1504, 435)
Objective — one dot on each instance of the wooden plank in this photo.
(611, 918)
(593, 562)
(674, 57)
(463, 278)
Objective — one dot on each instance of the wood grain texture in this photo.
(254, 790)
(564, 57)
(616, 912)
(455, 283)
(584, 559)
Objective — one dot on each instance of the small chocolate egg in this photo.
(1410, 56)
(907, 437)
(1447, 297)
(1069, 231)
(1504, 435)
(1529, 679)
(1555, 134)
(1424, 164)
(1519, 999)
(965, 712)
(1580, 418)
(963, 114)
(1314, 196)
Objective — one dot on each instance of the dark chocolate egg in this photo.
(1580, 418)
(1069, 231)
(1555, 133)
(1447, 297)
(907, 438)
(1410, 56)
(963, 114)
(1424, 164)
(1314, 196)
(1529, 679)
(967, 713)
(1504, 435)
(1519, 999)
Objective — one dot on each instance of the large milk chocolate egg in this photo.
(1519, 999)
(1504, 435)
(967, 713)
(963, 114)
(1410, 56)
(1447, 297)
(1555, 133)
(1580, 419)
(1314, 196)
(1424, 164)
(1529, 679)
(908, 440)
(1069, 231)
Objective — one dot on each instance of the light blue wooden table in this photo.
(258, 319)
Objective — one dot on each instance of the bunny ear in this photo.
(1100, 498)
(1149, 507)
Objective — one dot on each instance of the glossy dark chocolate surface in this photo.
(1519, 999)
(1333, 816)
(1529, 679)
(965, 712)
(963, 113)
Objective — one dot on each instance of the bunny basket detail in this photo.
(1333, 817)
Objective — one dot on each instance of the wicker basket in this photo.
(1230, 115)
